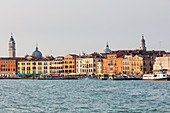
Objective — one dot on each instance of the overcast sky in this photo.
(61, 27)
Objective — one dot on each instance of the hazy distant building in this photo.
(142, 44)
(12, 50)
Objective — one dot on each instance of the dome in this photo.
(107, 50)
(37, 53)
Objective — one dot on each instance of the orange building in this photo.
(8, 66)
(113, 64)
(69, 64)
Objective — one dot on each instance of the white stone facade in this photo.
(162, 62)
(86, 65)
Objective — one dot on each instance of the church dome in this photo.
(107, 50)
(37, 53)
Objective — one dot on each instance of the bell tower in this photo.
(142, 44)
(12, 50)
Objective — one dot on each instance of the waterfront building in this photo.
(88, 65)
(69, 64)
(126, 64)
(140, 64)
(142, 44)
(100, 67)
(12, 50)
(47, 65)
(162, 63)
(113, 64)
(8, 66)
(57, 66)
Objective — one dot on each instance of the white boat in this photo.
(163, 76)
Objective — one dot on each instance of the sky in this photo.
(61, 27)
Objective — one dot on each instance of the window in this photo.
(39, 63)
(111, 62)
(39, 67)
(111, 69)
(28, 68)
(45, 71)
(45, 67)
(66, 62)
(66, 71)
(33, 67)
(45, 63)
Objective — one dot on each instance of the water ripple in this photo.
(84, 96)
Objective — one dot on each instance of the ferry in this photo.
(163, 76)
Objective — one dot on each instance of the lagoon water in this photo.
(84, 96)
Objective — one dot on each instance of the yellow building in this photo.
(126, 64)
(140, 64)
(40, 66)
